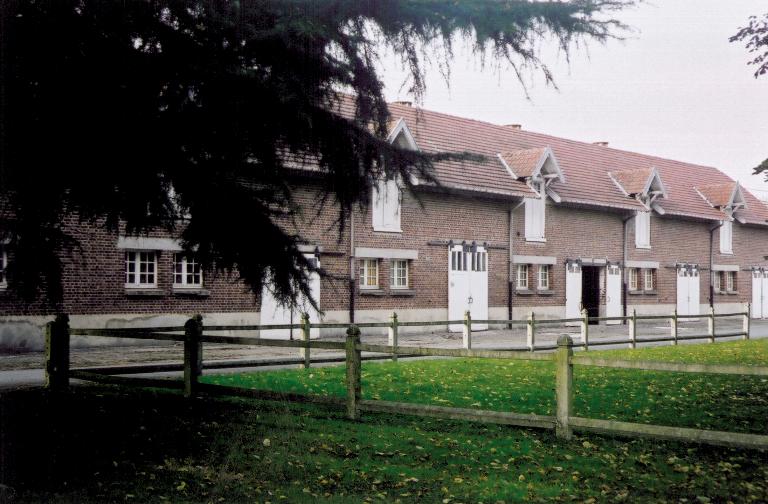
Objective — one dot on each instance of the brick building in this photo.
(540, 224)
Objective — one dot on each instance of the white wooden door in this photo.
(757, 293)
(613, 293)
(764, 293)
(572, 291)
(694, 290)
(682, 291)
(467, 286)
(458, 285)
(275, 313)
(478, 287)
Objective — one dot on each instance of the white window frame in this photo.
(726, 237)
(459, 260)
(543, 274)
(730, 281)
(3, 267)
(521, 276)
(385, 211)
(369, 271)
(632, 280)
(717, 283)
(479, 261)
(649, 282)
(137, 261)
(643, 230)
(185, 261)
(394, 279)
(536, 215)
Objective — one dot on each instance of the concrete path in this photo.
(23, 370)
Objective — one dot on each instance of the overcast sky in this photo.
(675, 88)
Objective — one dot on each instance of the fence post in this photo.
(673, 326)
(467, 330)
(353, 372)
(711, 324)
(392, 340)
(57, 353)
(746, 322)
(633, 329)
(585, 328)
(304, 352)
(564, 386)
(193, 354)
(531, 332)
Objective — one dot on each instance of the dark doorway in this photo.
(590, 291)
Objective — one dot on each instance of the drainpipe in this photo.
(352, 266)
(711, 261)
(511, 279)
(624, 287)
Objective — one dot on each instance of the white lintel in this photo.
(725, 267)
(523, 259)
(385, 253)
(145, 243)
(643, 264)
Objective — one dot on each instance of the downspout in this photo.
(352, 266)
(711, 261)
(624, 287)
(511, 279)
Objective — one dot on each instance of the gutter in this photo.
(511, 279)
(624, 287)
(352, 266)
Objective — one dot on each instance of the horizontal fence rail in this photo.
(194, 335)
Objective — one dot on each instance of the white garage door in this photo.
(274, 313)
(467, 286)
(688, 289)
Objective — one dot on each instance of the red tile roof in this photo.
(586, 166)
(523, 162)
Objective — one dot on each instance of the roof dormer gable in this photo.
(726, 196)
(644, 184)
(535, 164)
(401, 136)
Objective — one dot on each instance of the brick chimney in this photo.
(601, 144)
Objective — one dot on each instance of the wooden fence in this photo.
(564, 422)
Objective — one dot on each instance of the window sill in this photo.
(372, 292)
(188, 291)
(536, 240)
(643, 248)
(545, 292)
(635, 292)
(382, 230)
(650, 292)
(402, 292)
(525, 292)
(733, 293)
(145, 292)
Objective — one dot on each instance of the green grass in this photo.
(103, 444)
(720, 402)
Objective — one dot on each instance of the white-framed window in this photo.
(3, 267)
(643, 230)
(141, 268)
(726, 237)
(458, 260)
(385, 206)
(543, 277)
(479, 261)
(522, 277)
(398, 274)
(186, 272)
(717, 281)
(535, 215)
(632, 279)
(648, 280)
(730, 281)
(369, 274)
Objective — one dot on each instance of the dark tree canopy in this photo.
(142, 113)
(755, 38)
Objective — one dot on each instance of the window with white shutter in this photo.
(726, 238)
(385, 206)
(535, 209)
(643, 230)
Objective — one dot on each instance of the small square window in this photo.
(140, 269)
(398, 274)
(369, 274)
(522, 277)
(186, 272)
(544, 277)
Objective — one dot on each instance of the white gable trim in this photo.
(401, 128)
(616, 183)
(655, 177)
(548, 155)
(506, 166)
(737, 198)
(659, 209)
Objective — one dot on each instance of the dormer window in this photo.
(726, 237)
(385, 206)
(643, 230)
(535, 214)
